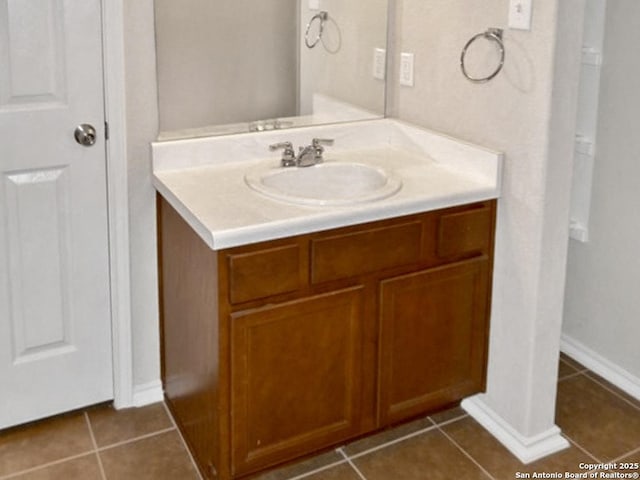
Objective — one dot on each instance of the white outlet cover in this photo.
(379, 63)
(406, 69)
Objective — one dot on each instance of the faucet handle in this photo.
(288, 153)
(278, 146)
(318, 149)
(317, 142)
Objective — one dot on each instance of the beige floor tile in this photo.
(43, 442)
(448, 415)
(616, 390)
(565, 369)
(427, 456)
(378, 439)
(112, 426)
(83, 468)
(596, 419)
(299, 468)
(340, 472)
(574, 363)
(629, 464)
(161, 457)
(499, 462)
(633, 457)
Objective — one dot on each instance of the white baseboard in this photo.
(147, 393)
(526, 449)
(595, 362)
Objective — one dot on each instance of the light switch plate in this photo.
(520, 12)
(314, 4)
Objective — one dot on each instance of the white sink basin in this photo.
(329, 183)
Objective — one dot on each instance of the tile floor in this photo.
(601, 423)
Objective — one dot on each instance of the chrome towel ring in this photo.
(493, 34)
(321, 17)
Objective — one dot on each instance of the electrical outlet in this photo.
(379, 63)
(406, 69)
(520, 14)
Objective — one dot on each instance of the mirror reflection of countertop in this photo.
(204, 179)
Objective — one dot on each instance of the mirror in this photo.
(234, 66)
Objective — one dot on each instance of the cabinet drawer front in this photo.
(357, 253)
(263, 273)
(465, 232)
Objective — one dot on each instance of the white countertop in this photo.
(203, 179)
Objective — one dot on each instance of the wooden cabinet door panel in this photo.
(432, 338)
(296, 377)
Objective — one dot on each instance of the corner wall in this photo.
(142, 129)
(602, 307)
(531, 118)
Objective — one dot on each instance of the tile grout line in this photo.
(450, 421)
(581, 368)
(573, 363)
(610, 390)
(46, 465)
(318, 470)
(571, 375)
(581, 448)
(182, 440)
(353, 465)
(628, 454)
(135, 439)
(349, 458)
(466, 454)
(95, 446)
(392, 442)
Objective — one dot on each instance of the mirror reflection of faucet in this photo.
(307, 156)
(271, 124)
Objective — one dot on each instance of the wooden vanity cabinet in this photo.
(276, 350)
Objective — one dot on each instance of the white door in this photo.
(55, 330)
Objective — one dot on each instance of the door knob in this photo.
(85, 134)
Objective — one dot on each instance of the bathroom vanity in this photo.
(289, 328)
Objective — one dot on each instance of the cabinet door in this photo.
(433, 338)
(296, 377)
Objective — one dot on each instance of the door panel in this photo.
(55, 330)
(39, 261)
(433, 338)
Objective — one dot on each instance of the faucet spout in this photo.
(307, 156)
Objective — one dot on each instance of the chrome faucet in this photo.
(288, 153)
(307, 156)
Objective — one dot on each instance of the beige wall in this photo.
(603, 306)
(225, 61)
(343, 69)
(513, 113)
(142, 128)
